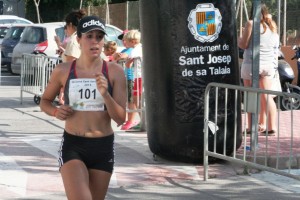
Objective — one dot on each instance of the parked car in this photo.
(12, 19)
(37, 39)
(9, 42)
(7, 20)
(112, 33)
(3, 31)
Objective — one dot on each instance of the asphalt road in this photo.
(8, 79)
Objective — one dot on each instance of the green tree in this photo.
(120, 1)
(55, 10)
(86, 3)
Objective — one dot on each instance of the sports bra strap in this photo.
(105, 69)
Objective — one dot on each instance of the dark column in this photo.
(186, 45)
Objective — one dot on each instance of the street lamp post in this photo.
(279, 16)
(255, 62)
(284, 23)
(107, 17)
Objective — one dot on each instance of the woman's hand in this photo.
(102, 84)
(63, 112)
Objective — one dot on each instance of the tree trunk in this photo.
(80, 4)
(37, 3)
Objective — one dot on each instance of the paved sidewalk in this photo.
(29, 140)
(285, 144)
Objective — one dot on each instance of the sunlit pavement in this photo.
(28, 167)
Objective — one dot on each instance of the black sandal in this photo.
(269, 133)
(248, 132)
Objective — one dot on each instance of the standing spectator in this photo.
(268, 41)
(72, 50)
(133, 40)
(275, 83)
(95, 94)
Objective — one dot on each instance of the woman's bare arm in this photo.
(115, 104)
(243, 42)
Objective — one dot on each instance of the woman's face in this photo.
(92, 43)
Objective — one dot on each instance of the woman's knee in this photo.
(76, 180)
(99, 182)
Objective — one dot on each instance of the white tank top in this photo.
(269, 44)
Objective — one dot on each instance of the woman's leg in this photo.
(99, 182)
(247, 83)
(131, 115)
(262, 116)
(137, 96)
(268, 103)
(76, 180)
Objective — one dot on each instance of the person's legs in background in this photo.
(131, 116)
(248, 83)
(268, 105)
(137, 95)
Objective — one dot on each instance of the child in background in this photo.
(110, 48)
(121, 57)
(133, 38)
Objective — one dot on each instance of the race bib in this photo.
(84, 95)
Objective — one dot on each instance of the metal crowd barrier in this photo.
(141, 108)
(256, 150)
(35, 74)
(36, 71)
(0, 66)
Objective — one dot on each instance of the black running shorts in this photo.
(95, 153)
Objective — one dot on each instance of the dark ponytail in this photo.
(74, 17)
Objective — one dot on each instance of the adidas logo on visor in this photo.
(93, 23)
